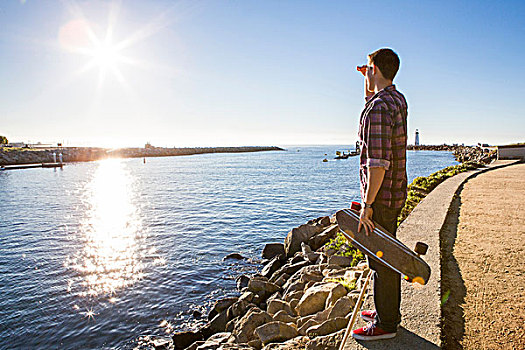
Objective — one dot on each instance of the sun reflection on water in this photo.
(110, 259)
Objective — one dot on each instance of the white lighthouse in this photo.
(417, 138)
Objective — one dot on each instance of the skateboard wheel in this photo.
(421, 248)
(355, 206)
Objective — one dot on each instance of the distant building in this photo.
(16, 144)
(416, 143)
(515, 151)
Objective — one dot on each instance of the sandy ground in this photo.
(484, 263)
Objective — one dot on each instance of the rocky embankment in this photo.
(301, 299)
(462, 154)
(12, 156)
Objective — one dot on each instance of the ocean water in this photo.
(96, 254)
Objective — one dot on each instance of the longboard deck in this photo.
(383, 247)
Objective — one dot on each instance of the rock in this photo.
(235, 256)
(342, 307)
(216, 325)
(255, 344)
(295, 343)
(313, 276)
(323, 259)
(297, 235)
(330, 251)
(307, 325)
(302, 320)
(305, 248)
(224, 303)
(298, 294)
(313, 257)
(272, 250)
(182, 340)
(363, 266)
(331, 269)
(282, 279)
(324, 221)
(220, 305)
(290, 269)
(262, 287)
(160, 343)
(327, 327)
(274, 265)
(309, 284)
(242, 282)
(231, 324)
(284, 316)
(293, 287)
(327, 342)
(274, 296)
(276, 332)
(352, 275)
(293, 304)
(195, 345)
(196, 314)
(334, 295)
(215, 341)
(322, 238)
(343, 261)
(247, 296)
(275, 306)
(244, 329)
(322, 315)
(297, 258)
(314, 299)
(239, 308)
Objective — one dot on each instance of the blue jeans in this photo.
(387, 283)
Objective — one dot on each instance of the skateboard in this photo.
(383, 247)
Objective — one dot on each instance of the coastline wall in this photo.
(14, 156)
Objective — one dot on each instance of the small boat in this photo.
(343, 155)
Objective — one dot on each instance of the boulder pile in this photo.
(301, 299)
(462, 154)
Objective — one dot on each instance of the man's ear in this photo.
(377, 71)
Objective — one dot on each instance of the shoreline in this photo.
(18, 156)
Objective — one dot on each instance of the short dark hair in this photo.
(387, 61)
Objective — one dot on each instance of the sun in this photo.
(105, 52)
(105, 56)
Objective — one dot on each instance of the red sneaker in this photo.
(368, 315)
(371, 332)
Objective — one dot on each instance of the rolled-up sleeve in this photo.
(378, 137)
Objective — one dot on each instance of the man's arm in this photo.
(378, 131)
(375, 179)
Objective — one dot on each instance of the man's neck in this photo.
(380, 85)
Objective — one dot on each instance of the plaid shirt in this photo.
(383, 141)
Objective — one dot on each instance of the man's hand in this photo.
(365, 220)
(368, 92)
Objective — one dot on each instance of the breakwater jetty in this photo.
(16, 156)
(483, 155)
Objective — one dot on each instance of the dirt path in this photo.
(484, 263)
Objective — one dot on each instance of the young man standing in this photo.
(383, 139)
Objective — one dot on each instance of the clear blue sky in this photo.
(192, 73)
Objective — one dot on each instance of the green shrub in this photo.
(423, 185)
(343, 248)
